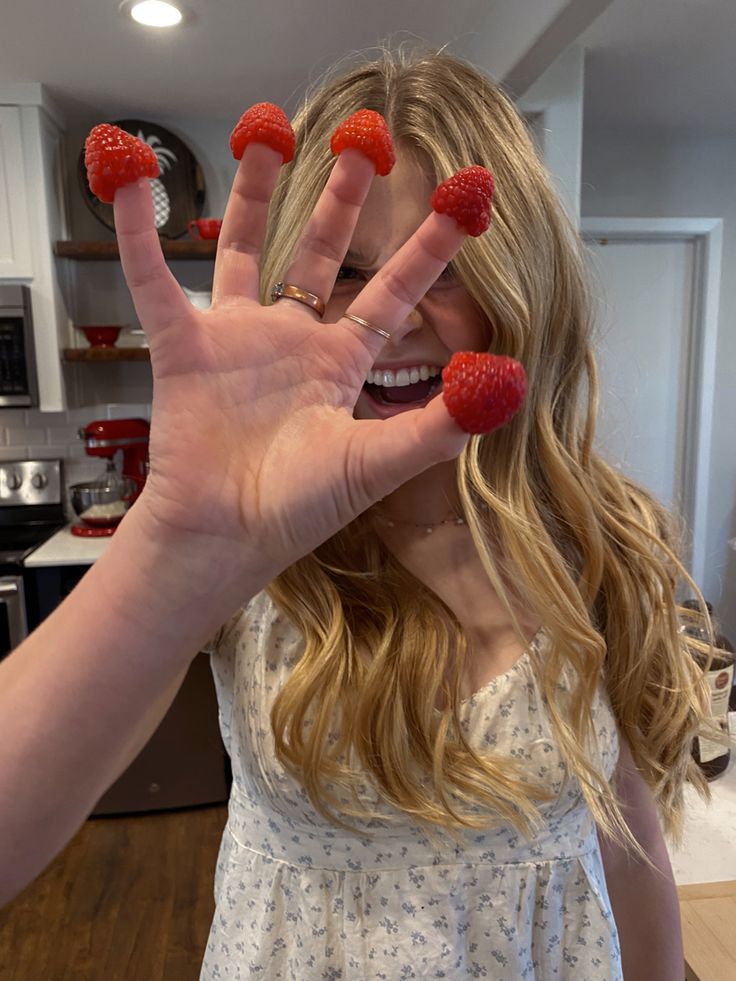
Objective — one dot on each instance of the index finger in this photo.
(157, 296)
(390, 296)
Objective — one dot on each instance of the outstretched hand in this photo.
(254, 453)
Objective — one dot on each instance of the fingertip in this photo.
(438, 427)
(133, 205)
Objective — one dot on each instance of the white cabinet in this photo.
(32, 219)
(15, 243)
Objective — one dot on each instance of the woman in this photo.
(452, 653)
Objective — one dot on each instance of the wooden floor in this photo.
(129, 899)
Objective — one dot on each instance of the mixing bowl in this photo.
(101, 505)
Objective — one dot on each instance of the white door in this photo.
(656, 358)
(644, 318)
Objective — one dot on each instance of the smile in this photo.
(411, 386)
(387, 378)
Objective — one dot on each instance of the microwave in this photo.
(18, 378)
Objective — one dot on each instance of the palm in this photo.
(244, 399)
(253, 446)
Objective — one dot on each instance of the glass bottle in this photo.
(713, 757)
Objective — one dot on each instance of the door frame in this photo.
(694, 451)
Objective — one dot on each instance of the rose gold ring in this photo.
(279, 291)
(368, 324)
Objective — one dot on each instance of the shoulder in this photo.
(259, 614)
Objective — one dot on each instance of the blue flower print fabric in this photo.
(299, 899)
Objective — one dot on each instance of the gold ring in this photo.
(281, 290)
(370, 326)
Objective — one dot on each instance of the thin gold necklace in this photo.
(427, 527)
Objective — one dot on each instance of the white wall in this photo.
(655, 175)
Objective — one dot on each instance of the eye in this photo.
(447, 277)
(349, 274)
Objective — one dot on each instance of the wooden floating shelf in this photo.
(108, 251)
(107, 354)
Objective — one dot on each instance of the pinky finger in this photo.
(158, 298)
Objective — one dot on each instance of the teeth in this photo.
(404, 376)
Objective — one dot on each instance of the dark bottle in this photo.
(713, 757)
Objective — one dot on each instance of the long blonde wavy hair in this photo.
(594, 554)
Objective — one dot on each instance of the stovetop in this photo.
(31, 507)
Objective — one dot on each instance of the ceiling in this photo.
(230, 53)
(659, 64)
(662, 66)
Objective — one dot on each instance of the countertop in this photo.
(708, 852)
(63, 548)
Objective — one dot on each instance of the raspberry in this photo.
(263, 123)
(466, 197)
(366, 131)
(114, 158)
(483, 391)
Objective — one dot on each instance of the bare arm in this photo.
(645, 903)
(252, 435)
(82, 695)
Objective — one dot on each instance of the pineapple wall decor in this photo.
(178, 191)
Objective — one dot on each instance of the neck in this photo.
(427, 498)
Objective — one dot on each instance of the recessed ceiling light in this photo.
(153, 13)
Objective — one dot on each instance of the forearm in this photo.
(647, 913)
(83, 693)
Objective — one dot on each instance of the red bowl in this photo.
(101, 336)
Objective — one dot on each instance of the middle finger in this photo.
(327, 235)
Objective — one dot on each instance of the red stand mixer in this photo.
(101, 504)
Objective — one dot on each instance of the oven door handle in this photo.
(13, 597)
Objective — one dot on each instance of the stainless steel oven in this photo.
(31, 510)
(18, 377)
(13, 619)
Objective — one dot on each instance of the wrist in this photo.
(172, 583)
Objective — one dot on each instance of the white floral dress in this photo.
(299, 899)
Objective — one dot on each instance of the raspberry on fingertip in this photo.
(264, 123)
(366, 131)
(466, 197)
(114, 158)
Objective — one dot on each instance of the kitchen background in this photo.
(656, 140)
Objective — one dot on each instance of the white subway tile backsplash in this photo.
(13, 417)
(24, 436)
(27, 434)
(136, 411)
(12, 453)
(56, 436)
(42, 452)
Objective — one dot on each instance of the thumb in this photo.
(392, 451)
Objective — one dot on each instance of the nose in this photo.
(413, 322)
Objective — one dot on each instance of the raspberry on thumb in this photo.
(263, 123)
(466, 197)
(366, 130)
(483, 391)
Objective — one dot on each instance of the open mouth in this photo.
(405, 394)
(405, 386)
